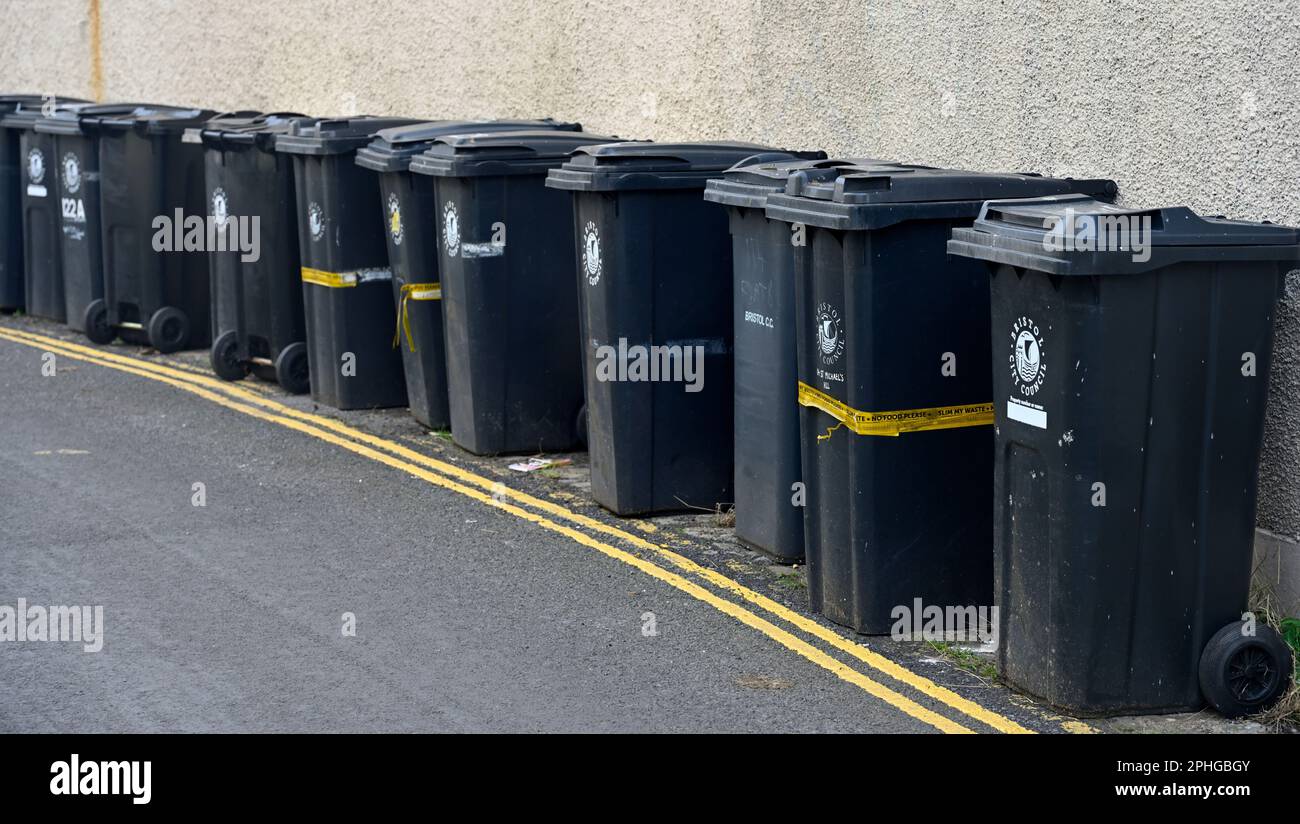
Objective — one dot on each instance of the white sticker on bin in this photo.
(1027, 413)
(482, 250)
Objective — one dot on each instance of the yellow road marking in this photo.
(872, 659)
(254, 385)
(783, 637)
(1078, 727)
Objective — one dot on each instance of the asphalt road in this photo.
(229, 616)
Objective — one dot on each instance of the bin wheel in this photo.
(95, 323)
(225, 357)
(291, 368)
(580, 425)
(1242, 674)
(169, 330)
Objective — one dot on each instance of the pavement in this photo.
(234, 535)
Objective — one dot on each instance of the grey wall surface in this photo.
(1192, 102)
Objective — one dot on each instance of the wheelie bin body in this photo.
(151, 195)
(346, 278)
(1129, 396)
(654, 278)
(13, 181)
(257, 312)
(769, 508)
(510, 311)
(75, 131)
(408, 210)
(895, 388)
(39, 199)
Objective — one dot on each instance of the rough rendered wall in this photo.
(1191, 102)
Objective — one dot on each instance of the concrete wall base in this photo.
(1277, 573)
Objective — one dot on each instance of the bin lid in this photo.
(859, 198)
(750, 181)
(630, 165)
(497, 154)
(245, 128)
(1078, 235)
(155, 119)
(9, 102)
(76, 118)
(24, 111)
(392, 149)
(335, 135)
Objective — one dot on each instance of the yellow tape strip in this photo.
(334, 280)
(893, 424)
(413, 291)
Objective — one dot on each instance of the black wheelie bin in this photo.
(75, 130)
(153, 231)
(769, 502)
(409, 212)
(510, 307)
(13, 179)
(654, 275)
(40, 207)
(257, 313)
(346, 279)
(895, 389)
(1131, 351)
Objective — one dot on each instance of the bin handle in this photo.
(764, 157)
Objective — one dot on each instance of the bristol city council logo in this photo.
(451, 229)
(35, 165)
(591, 263)
(71, 173)
(830, 334)
(220, 207)
(1026, 361)
(316, 220)
(395, 219)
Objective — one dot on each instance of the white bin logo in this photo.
(316, 221)
(451, 229)
(830, 334)
(71, 173)
(395, 219)
(220, 208)
(591, 262)
(35, 165)
(1026, 362)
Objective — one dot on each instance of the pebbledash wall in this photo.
(1193, 102)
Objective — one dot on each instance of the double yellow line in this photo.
(751, 608)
